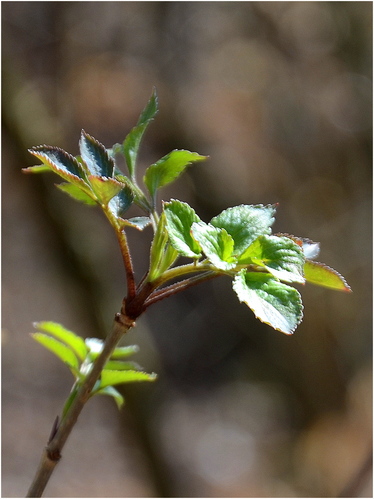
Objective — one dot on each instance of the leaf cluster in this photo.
(238, 242)
(79, 355)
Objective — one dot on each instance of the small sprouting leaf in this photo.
(150, 110)
(105, 188)
(133, 139)
(37, 169)
(216, 243)
(112, 392)
(59, 349)
(245, 223)
(322, 275)
(273, 302)
(61, 162)
(72, 340)
(139, 223)
(136, 193)
(121, 202)
(119, 365)
(95, 347)
(95, 156)
(109, 377)
(310, 248)
(77, 193)
(168, 168)
(180, 217)
(169, 256)
(123, 352)
(279, 255)
(158, 245)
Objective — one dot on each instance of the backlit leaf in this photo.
(123, 352)
(273, 302)
(168, 168)
(61, 162)
(112, 392)
(139, 223)
(322, 275)
(279, 255)
(245, 223)
(310, 248)
(59, 349)
(37, 169)
(77, 193)
(119, 365)
(105, 188)
(95, 156)
(72, 340)
(133, 139)
(216, 243)
(121, 202)
(109, 377)
(180, 217)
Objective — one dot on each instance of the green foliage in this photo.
(180, 217)
(245, 223)
(272, 301)
(237, 242)
(168, 169)
(79, 355)
(132, 142)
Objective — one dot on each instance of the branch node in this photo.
(54, 455)
(123, 319)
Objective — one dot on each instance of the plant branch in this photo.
(52, 453)
(179, 286)
(125, 251)
(176, 272)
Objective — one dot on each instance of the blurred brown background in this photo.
(279, 95)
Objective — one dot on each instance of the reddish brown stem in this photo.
(177, 287)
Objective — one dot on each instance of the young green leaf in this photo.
(150, 110)
(37, 169)
(95, 347)
(137, 194)
(121, 202)
(124, 352)
(273, 302)
(112, 392)
(61, 162)
(322, 275)
(216, 243)
(168, 168)
(245, 223)
(133, 139)
(95, 156)
(109, 377)
(119, 365)
(168, 258)
(310, 248)
(59, 349)
(72, 340)
(180, 217)
(77, 193)
(279, 255)
(158, 246)
(138, 223)
(105, 188)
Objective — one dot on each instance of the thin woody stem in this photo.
(52, 453)
(179, 286)
(122, 239)
(175, 272)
